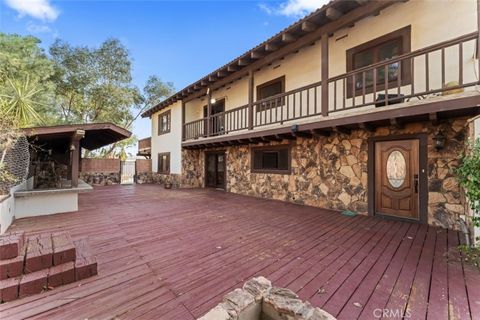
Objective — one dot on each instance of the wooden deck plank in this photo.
(173, 254)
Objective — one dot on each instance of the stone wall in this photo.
(100, 178)
(258, 299)
(331, 172)
(157, 178)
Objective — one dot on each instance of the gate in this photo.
(127, 172)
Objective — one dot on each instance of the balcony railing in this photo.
(439, 69)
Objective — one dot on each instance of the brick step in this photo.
(46, 250)
(13, 267)
(11, 244)
(36, 282)
(83, 266)
(85, 262)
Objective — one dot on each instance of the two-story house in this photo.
(361, 105)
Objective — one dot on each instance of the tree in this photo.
(21, 56)
(25, 80)
(95, 85)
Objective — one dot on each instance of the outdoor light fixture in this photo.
(294, 128)
(213, 100)
(439, 140)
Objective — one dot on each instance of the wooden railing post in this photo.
(183, 121)
(325, 76)
(209, 111)
(250, 99)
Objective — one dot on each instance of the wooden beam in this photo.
(203, 82)
(333, 14)
(308, 26)
(286, 136)
(270, 47)
(366, 126)
(273, 138)
(232, 68)
(343, 22)
(325, 75)
(183, 120)
(288, 37)
(250, 98)
(320, 133)
(222, 74)
(342, 130)
(362, 2)
(396, 123)
(212, 79)
(302, 134)
(257, 55)
(243, 62)
(75, 156)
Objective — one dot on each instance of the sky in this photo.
(179, 41)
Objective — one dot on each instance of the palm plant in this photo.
(20, 101)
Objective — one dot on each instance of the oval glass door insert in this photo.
(396, 169)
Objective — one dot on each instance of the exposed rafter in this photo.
(308, 26)
(256, 55)
(288, 38)
(232, 68)
(222, 74)
(243, 62)
(333, 14)
(269, 47)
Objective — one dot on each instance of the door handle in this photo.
(415, 182)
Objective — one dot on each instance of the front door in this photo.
(215, 169)
(397, 178)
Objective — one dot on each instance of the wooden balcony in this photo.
(145, 147)
(438, 79)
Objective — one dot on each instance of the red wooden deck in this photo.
(173, 254)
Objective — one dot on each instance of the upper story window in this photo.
(381, 49)
(271, 159)
(164, 122)
(164, 163)
(270, 89)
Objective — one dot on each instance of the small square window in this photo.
(271, 159)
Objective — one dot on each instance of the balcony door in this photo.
(216, 121)
(215, 169)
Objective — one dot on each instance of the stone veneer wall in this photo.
(331, 172)
(157, 178)
(100, 178)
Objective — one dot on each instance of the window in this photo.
(164, 122)
(384, 48)
(164, 163)
(269, 89)
(271, 159)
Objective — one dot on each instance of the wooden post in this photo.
(209, 111)
(183, 120)
(75, 156)
(478, 36)
(324, 42)
(250, 98)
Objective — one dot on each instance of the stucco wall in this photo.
(431, 22)
(331, 172)
(169, 142)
